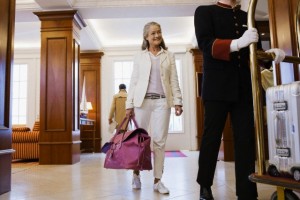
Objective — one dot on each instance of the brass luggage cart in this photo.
(284, 185)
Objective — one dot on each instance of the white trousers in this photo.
(156, 113)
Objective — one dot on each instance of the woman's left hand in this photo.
(178, 110)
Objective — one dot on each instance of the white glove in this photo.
(247, 38)
(279, 54)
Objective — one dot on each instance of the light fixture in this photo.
(84, 108)
(89, 106)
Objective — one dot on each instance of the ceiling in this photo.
(118, 23)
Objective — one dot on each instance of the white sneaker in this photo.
(136, 182)
(161, 188)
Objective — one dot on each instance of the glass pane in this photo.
(15, 107)
(15, 92)
(178, 68)
(22, 120)
(118, 73)
(19, 93)
(122, 74)
(23, 73)
(127, 70)
(176, 122)
(118, 70)
(22, 107)
(15, 120)
(23, 90)
(16, 72)
(117, 83)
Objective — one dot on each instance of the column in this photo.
(7, 24)
(59, 101)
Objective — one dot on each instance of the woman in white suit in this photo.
(154, 89)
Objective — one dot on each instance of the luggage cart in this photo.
(284, 185)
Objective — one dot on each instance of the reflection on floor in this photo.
(88, 180)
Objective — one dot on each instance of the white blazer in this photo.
(140, 79)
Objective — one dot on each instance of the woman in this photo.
(154, 89)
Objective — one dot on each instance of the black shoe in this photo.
(206, 194)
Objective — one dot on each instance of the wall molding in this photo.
(33, 53)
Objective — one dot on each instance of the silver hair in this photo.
(145, 44)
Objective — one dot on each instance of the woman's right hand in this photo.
(129, 112)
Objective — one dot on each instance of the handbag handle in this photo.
(128, 119)
(121, 125)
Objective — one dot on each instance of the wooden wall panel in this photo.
(56, 85)
(91, 93)
(198, 60)
(7, 23)
(90, 64)
(283, 33)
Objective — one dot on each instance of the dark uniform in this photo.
(226, 88)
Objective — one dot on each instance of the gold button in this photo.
(237, 32)
(236, 24)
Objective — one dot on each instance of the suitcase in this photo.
(283, 110)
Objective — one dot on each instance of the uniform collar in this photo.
(236, 7)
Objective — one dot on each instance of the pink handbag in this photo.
(129, 150)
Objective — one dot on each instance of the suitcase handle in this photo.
(280, 130)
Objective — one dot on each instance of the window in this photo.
(176, 123)
(122, 70)
(122, 74)
(19, 94)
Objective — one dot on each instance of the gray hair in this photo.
(145, 44)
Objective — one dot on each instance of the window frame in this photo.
(180, 78)
(19, 81)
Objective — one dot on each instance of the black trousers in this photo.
(241, 114)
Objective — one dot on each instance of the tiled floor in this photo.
(88, 180)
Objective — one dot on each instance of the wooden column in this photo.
(198, 60)
(7, 24)
(90, 64)
(59, 102)
(283, 33)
